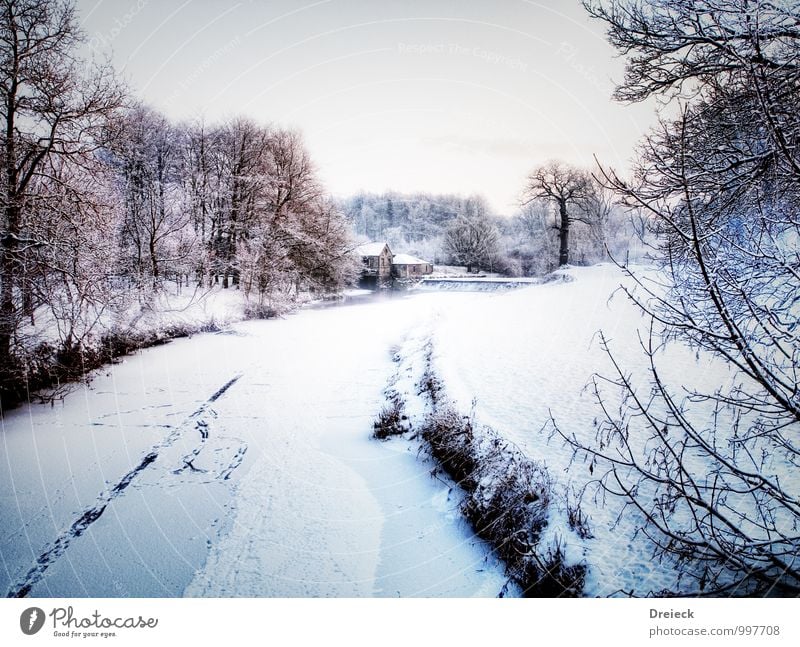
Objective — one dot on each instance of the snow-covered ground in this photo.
(241, 463)
(474, 284)
(530, 355)
(236, 464)
(153, 312)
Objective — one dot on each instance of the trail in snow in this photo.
(324, 510)
(274, 489)
(93, 513)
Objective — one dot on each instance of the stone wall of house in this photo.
(412, 271)
(385, 264)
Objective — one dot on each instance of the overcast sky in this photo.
(445, 96)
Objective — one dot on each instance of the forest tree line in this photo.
(105, 199)
(467, 231)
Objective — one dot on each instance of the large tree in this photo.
(472, 242)
(52, 107)
(567, 187)
(308, 236)
(711, 469)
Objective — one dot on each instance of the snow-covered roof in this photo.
(406, 259)
(370, 249)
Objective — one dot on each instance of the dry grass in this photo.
(506, 500)
(506, 495)
(391, 420)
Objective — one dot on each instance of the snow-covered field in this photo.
(151, 482)
(529, 356)
(241, 463)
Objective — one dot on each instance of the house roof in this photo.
(370, 249)
(406, 259)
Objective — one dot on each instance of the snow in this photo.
(190, 305)
(274, 486)
(370, 249)
(407, 259)
(459, 271)
(286, 495)
(356, 292)
(530, 355)
(148, 311)
(482, 279)
(474, 284)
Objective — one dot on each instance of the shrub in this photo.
(262, 311)
(391, 421)
(450, 439)
(506, 501)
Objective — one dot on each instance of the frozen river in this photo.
(237, 464)
(242, 463)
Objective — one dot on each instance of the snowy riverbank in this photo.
(272, 488)
(241, 464)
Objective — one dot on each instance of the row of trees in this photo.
(238, 204)
(100, 195)
(565, 216)
(407, 219)
(414, 223)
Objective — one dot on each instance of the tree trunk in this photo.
(8, 315)
(6, 309)
(153, 261)
(27, 293)
(8, 265)
(563, 233)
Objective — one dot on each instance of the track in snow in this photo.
(59, 546)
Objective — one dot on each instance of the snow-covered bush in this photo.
(391, 420)
(507, 495)
(506, 501)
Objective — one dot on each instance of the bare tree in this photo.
(566, 186)
(70, 272)
(535, 241)
(145, 150)
(201, 180)
(294, 185)
(598, 209)
(710, 470)
(472, 242)
(251, 195)
(50, 108)
(309, 236)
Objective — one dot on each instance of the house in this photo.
(381, 266)
(409, 267)
(377, 259)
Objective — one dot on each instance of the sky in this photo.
(442, 96)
